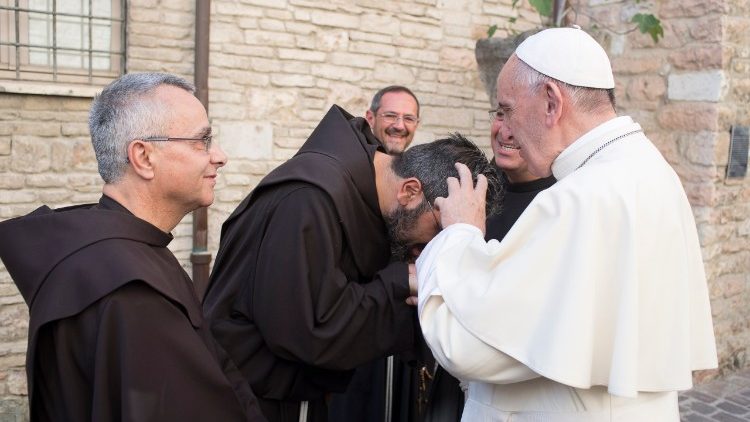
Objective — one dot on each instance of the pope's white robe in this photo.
(600, 282)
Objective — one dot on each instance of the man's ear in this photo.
(141, 158)
(409, 191)
(554, 103)
(370, 117)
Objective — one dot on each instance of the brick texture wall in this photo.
(726, 230)
(278, 66)
(45, 158)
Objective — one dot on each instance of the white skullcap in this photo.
(569, 55)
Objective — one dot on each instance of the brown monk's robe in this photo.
(302, 290)
(116, 331)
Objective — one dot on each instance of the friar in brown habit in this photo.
(116, 331)
(304, 289)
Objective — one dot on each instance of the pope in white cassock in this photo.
(594, 307)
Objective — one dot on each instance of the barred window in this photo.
(70, 41)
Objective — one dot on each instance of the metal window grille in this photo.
(67, 41)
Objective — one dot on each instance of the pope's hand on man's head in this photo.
(465, 202)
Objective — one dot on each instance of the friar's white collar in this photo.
(577, 152)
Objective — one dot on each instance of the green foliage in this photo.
(646, 23)
(649, 24)
(491, 31)
(543, 7)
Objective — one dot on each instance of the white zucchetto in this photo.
(569, 55)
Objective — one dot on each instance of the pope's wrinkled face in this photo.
(395, 122)
(521, 112)
(506, 153)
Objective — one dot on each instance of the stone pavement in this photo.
(722, 400)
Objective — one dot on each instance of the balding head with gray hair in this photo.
(126, 110)
(586, 99)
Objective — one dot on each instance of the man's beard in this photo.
(399, 223)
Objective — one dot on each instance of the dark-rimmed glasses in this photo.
(206, 139)
(391, 118)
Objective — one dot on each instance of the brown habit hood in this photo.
(340, 145)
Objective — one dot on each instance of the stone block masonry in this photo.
(687, 91)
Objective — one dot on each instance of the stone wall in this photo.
(278, 66)
(727, 229)
(687, 91)
(45, 157)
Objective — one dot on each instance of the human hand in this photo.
(413, 287)
(465, 203)
(415, 251)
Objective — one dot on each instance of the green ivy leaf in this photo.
(649, 24)
(543, 7)
(491, 31)
(512, 19)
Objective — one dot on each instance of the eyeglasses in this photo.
(496, 114)
(391, 118)
(206, 139)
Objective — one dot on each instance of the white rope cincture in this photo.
(388, 388)
(303, 411)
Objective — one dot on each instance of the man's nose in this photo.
(218, 156)
(495, 127)
(399, 123)
(505, 134)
